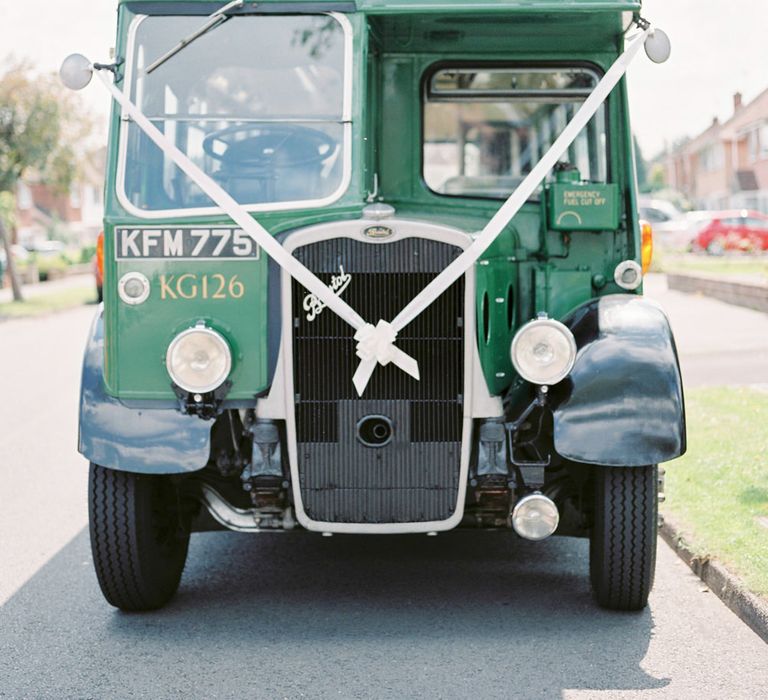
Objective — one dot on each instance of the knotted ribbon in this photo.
(376, 345)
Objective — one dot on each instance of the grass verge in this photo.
(717, 493)
(737, 264)
(47, 303)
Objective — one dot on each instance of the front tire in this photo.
(716, 248)
(139, 537)
(622, 546)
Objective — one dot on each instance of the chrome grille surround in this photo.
(476, 400)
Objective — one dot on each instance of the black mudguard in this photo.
(622, 405)
(142, 440)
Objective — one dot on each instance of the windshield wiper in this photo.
(213, 21)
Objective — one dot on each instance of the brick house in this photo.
(726, 166)
(76, 215)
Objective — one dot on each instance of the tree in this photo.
(39, 122)
(658, 179)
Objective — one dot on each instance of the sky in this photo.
(718, 47)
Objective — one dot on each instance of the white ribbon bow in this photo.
(376, 345)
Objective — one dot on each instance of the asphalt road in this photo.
(295, 615)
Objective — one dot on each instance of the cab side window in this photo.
(485, 128)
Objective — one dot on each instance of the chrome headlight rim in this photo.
(628, 266)
(127, 278)
(546, 508)
(558, 327)
(221, 377)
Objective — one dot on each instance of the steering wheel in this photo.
(269, 145)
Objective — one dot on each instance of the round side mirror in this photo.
(76, 71)
(657, 46)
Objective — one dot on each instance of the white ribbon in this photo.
(524, 190)
(376, 344)
(236, 212)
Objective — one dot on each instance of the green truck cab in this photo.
(372, 141)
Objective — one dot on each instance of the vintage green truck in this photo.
(284, 179)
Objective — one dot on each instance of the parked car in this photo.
(20, 256)
(670, 224)
(45, 249)
(719, 231)
(657, 211)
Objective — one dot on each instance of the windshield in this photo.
(486, 128)
(257, 103)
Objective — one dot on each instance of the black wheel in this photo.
(139, 537)
(716, 247)
(622, 546)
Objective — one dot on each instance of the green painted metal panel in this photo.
(137, 337)
(517, 255)
(582, 206)
(497, 289)
(530, 267)
(230, 297)
(560, 291)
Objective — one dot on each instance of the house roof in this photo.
(746, 116)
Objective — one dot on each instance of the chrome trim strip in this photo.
(346, 177)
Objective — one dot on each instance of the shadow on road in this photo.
(296, 615)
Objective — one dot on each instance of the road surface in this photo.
(295, 615)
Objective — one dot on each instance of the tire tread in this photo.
(623, 541)
(130, 573)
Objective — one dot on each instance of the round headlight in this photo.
(535, 517)
(543, 351)
(198, 360)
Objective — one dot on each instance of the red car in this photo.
(737, 229)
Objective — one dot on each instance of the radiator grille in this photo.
(414, 478)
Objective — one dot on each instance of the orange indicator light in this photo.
(646, 244)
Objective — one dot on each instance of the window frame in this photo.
(443, 64)
(213, 210)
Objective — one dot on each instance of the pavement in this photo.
(718, 343)
(294, 615)
(43, 478)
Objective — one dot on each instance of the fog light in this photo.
(199, 360)
(133, 288)
(535, 517)
(543, 351)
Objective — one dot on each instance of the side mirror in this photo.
(657, 46)
(76, 71)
